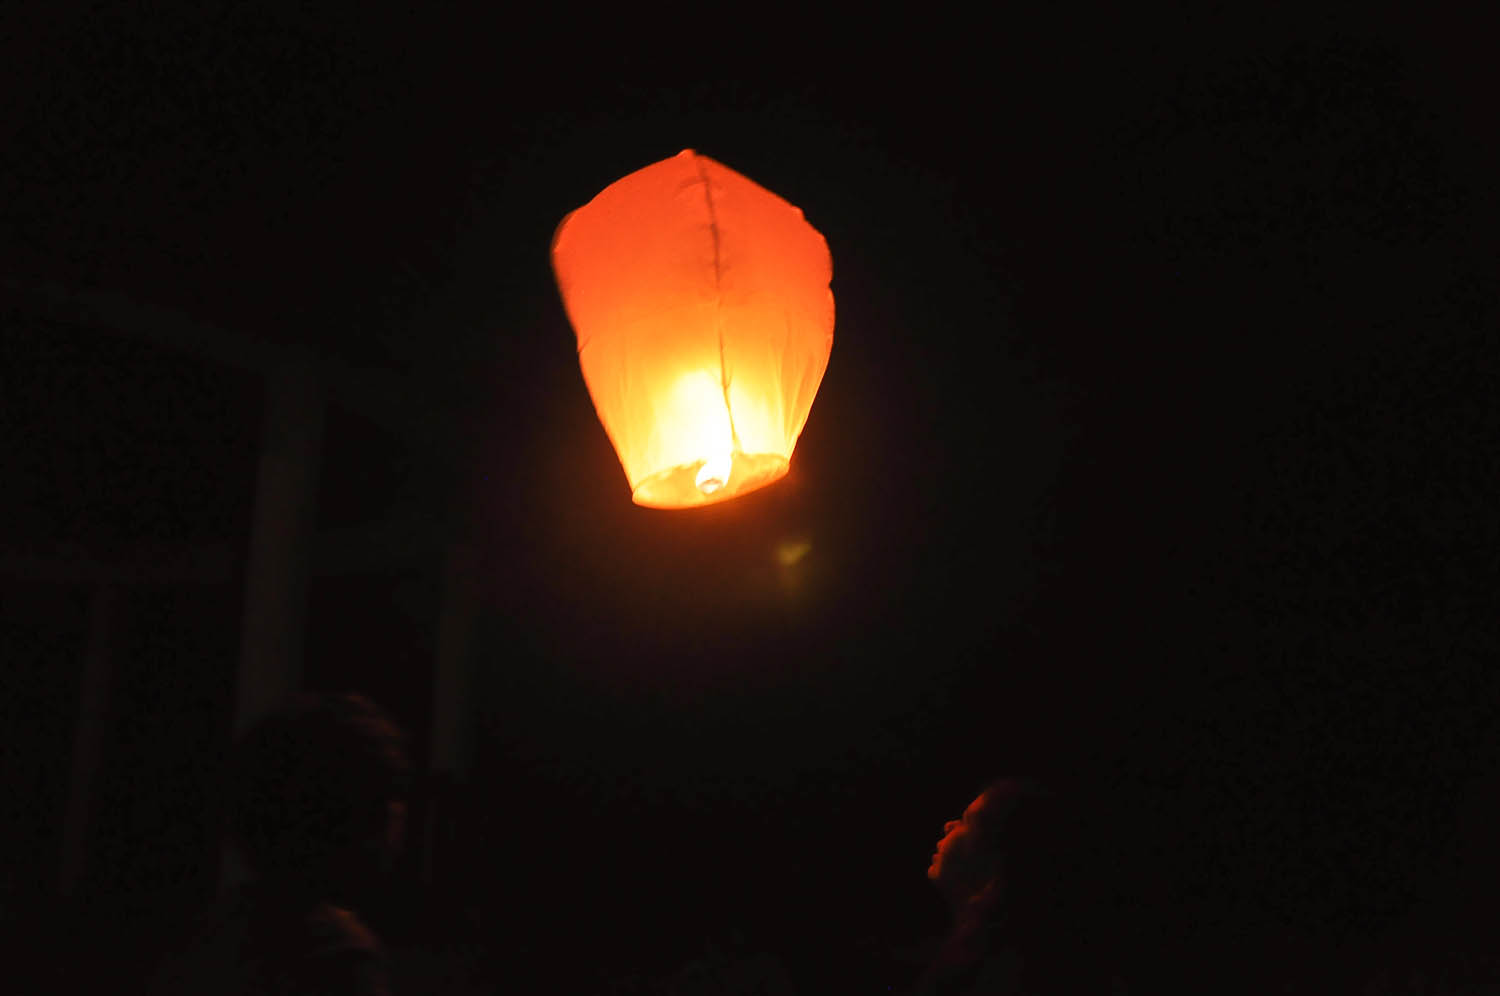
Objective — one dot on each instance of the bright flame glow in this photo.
(692, 421)
(714, 473)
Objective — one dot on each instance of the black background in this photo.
(1155, 450)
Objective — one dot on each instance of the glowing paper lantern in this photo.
(704, 322)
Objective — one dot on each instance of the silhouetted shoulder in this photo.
(331, 929)
(245, 948)
(327, 949)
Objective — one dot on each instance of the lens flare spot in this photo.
(789, 552)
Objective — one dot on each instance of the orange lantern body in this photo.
(704, 318)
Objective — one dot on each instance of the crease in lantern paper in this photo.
(713, 227)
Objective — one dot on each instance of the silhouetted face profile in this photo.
(1019, 871)
(1016, 834)
(965, 860)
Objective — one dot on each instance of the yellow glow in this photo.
(788, 552)
(704, 323)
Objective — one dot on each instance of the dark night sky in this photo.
(1154, 447)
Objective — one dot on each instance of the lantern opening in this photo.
(679, 487)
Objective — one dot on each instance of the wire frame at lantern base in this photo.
(685, 486)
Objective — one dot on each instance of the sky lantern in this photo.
(704, 318)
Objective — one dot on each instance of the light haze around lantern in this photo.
(704, 319)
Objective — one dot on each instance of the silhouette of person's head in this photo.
(317, 794)
(1013, 837)
(1019, 874)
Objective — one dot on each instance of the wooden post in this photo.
(452, 694)
(88, 737)
(280, 556)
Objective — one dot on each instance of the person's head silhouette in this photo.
(317, 795)
(1016, 870)
(1014, 832)
(314, 801)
